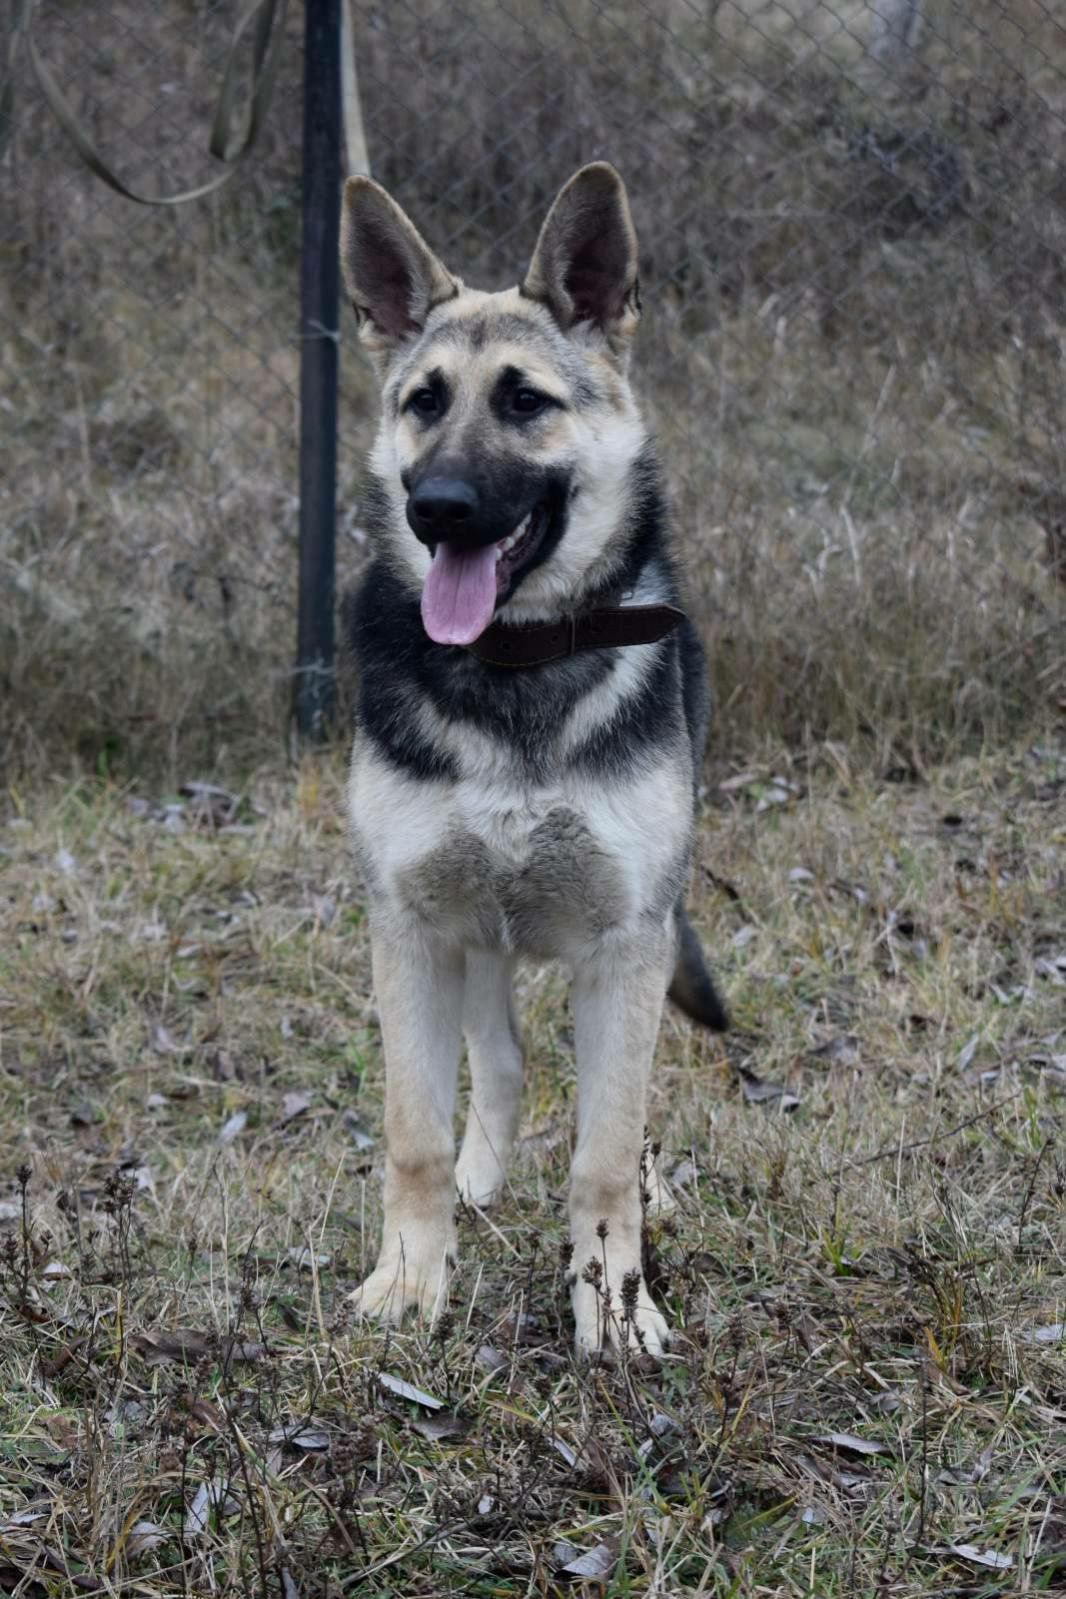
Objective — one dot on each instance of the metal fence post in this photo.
(315, 664)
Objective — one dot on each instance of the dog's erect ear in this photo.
(585, 265)
(393, 278)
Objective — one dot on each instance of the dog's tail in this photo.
(692, 989)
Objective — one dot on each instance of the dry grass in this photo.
(878, 1262)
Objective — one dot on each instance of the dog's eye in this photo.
(527, 402)
(425, 401)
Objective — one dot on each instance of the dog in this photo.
(532, 706)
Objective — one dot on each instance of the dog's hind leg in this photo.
(495, 1052)
(419, 987)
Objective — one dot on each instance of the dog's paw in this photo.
(395, 1287)
(604, 1326)
(479, 1180)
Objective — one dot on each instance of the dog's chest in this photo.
(535, 870)
(533, 878)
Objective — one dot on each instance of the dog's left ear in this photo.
(584, 267)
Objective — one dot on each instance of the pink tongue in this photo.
(459, 596)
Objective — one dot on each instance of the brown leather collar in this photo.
(536, 643)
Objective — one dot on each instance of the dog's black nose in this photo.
(441, 508)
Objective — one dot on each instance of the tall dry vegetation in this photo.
(852, 354)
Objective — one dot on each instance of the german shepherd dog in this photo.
(531, 715)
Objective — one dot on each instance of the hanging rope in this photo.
(266, 20)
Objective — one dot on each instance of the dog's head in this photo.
(509, 432)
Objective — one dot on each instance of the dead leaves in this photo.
(301, 1436)
(405, 1390)
(762, 793)
(200, 805)
(757, 1091)
(292, 1106)
(442, 1425)
(1053, 1333)
(989, 1558)
(233, 1127)
(849, 1443)
(188, 1347)
(594, 1565)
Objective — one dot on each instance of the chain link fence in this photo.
(853, 225)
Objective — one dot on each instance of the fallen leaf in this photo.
(233, 1127)
(772, 794)
(981, 1557)
(404, 1390)
(294, 1105)
(164, 1043)
(245, 1350)
(304, 1260)
(143, 1537)
(850, 1479)
(190, 1345)
(196, 1516)
(840, 1051)
(182, 1343)
(759, 1092)
(210, 806)
(300, 1436)
(968, 1050)
(849, 1444)
(1054, 1333)
(442, 1424)
(22, 1518)
(356, 1131)
(324, 907)
(597, 1563)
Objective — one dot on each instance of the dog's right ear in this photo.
(393, 278)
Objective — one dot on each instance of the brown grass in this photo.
(851, 356)
(878, 1262)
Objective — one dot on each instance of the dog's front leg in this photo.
(419, 986)
(618, 1001)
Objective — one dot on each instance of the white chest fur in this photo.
(493, 861)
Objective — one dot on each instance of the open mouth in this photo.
(463, 587)
(518, 547)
